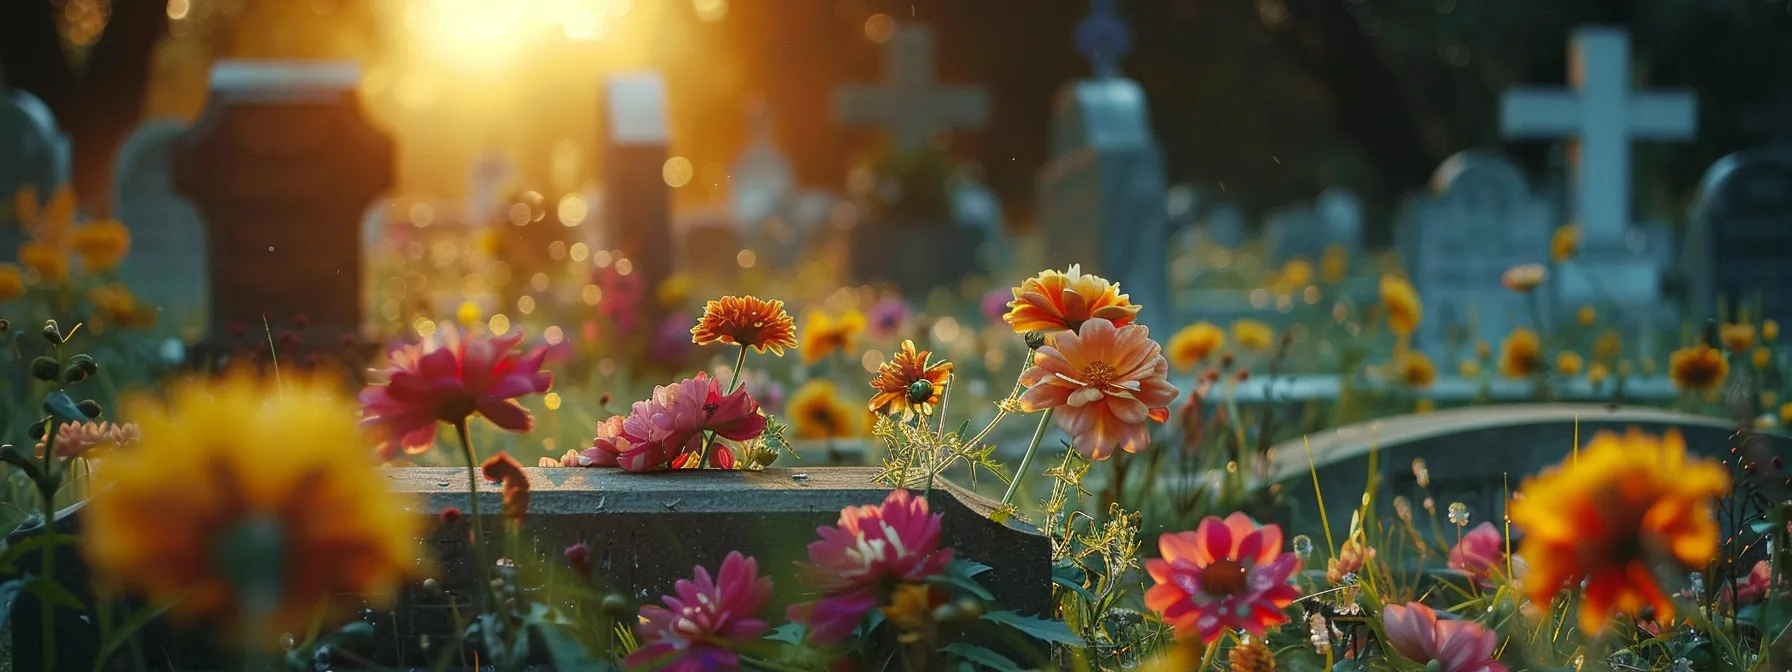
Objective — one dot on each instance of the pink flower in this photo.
(1226, 574)
(448, 379)
(872, 546)
(1104, 382)
(663, 429)
(74, 439)
(699, 626)
(1479, 553)
(1753, 588)
(887, 317)
(621, 298)
(995, 304)
(1460, 646)
(671, 343)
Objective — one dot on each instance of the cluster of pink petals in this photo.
(1104, 382)
(74, 439)
(898, 541)
(1480, 553)
(1751, 588)
(1227, 574)
(1415, 631)
(666, 429)
(448, 379)
(699, 626)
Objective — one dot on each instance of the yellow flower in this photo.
(1737, 337)
(909, 384)
(1648, 367)
(1698, 368)
(1401, 302)
(1252, 334)
(910, 608)
(1251, 655)
(1524, 278)
(1424, 406)
(1521, 354)
(1334, 263)
(1587, 316)
(746, 321)
(1609, 345)
(1194, 343)
(50, 264)
(674, 290)
(1181, 655)
(1597, 373)
(1786, 413)
(816, 412)
(1569, 363)
(1770, 330)
(1296, 273)
(1053, 301)
(468, 314)
(1564, 243)
(824, 335)
(1625, 504)
(1762, 357)
(1469, 368)
(12, 282)
(1769, 398)
(115, 304)
(102, 245)
(1415, 369)
(282, 505)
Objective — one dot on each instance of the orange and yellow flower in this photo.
(1194, 343)
(1770, 330)
(824, 335)
(1564, 243)
(49, 262)
(1334, 263)
(1524, 278)
(1624, 505)
(746, 321)
(909, 384)
(1587, 316)
(1608, 346)
(1699, 368)
(816, 412)
(1415, 369)
(102, 244)
(1521, 354)
(12, 282)
(1569, 363)
(1253, 334)
(1401, 303)
(1053, 301)
(1103, 382)
(1737, 337)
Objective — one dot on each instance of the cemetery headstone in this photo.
(1293, 231)
(283, 165)
(33, 152)
(1182, 206)
(1480, 219)
(168, 265)
(762, 177)
(711, 244)
(909, 103)
(1226, 225)
(1341, 217)
(1740, 245)
(638, 203)
(975, 207)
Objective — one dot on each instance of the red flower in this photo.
(449, 381)
(667, 428)
(1479, 553)
(1226, 574)
(873, 546)
(505, 469)
(699, 626)
(1417, 633)
(578, 556)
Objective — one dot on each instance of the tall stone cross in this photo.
(908, 103)
(1604, 114)
(1103, 38)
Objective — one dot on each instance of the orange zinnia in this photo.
(1104, 382)
(1625, 504)
(746, 321)
(1699, 368)
(824, 335)
(1053, 301)
(1401, 303)
(908, 384)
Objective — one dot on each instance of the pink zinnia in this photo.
(872, 546)
(1479, 553)
(887, 317)
(448, 379)
(621, 298)
(699, 626)
(667, 428)
(1226, 574)
(1104, 382)
(1415, 631)
(995, 304)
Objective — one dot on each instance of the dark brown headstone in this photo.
(637, 210)
(283, 164)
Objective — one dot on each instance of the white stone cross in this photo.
(908, 103)
(1604, 113)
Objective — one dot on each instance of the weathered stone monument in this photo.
(168, 266)
(33, 152)
(635, 138)
(283, 164)
(1335, 218)
(1740, 244)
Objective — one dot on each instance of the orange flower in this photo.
(1401, 303)
(1524, 278)
(908, 384)
(1698, 368)
(1415, 369)
(1104, 382)
(816, 412)
(102, 245)
(12, 282)
(1770, 330)
(1569, 363)
(1624, 505)
(1253, 334)
(1609, 346)
(1053, 301)
(1521, 354)
(1334, 263)
(1587, 316)
(1194, 343)
(505, 469)
(50, 263)
(1351, 557)
(824, 335)
(1564, 243)
(1737, 337)
(746, 321)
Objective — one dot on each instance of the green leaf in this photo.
(967, 567)
(981, 656)
(1050, 631)
(58, 404)
(566, 652)
(125, 631)
(48, 590)
(961, 582)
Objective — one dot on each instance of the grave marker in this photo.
(168, 263)
(33, 152)
(1226, 225)
(908, 103)
(637, 202)
(1740, 246)
(762, 178)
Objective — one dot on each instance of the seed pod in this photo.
(45, 369)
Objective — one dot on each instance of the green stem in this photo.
(1026, 460)
(735, 380)
(932, 467)
(46, 489)
(473, 517)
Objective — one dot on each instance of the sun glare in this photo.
(487, 35)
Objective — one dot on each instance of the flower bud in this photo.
(617, 606)
(45, 369)
(1035, 339)
(89, 408)
(52, 333)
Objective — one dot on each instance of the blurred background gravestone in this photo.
(634, 139)
(168, 266)
(1740, 244)
(33, 153)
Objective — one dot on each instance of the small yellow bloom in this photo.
(1609, 346)
(1565, 243)
(1469, 368)
(1587, 316)
(1648, 367)
(1252, 334)
(12, 282)
(1698, 368)
(1334, 263)
(1769, 398)
(1424, 406)
(823, 335)
(911, 606)
(1770, 330)
(102, 245)
(50, 264)
(1597, 373)
(1786, 413)
(1415, 369)
(468, 314)
(673, 291)
(1762, 357)
(1521, 354)
(1194, 343)
(1297, 273)
(816, 412)
(1737, 337)
(1401, 303)
(1524, 278)
(1569, 363)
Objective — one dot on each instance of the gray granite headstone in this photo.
(1293, 231)
(635, 140)
(168, 264)
(1740, 245)
(1341, 218)
(1480, 220)
(974, 206)
(710, 243)
(909, 103)
(33, 152)
(761, 178)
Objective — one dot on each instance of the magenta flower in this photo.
(887, 316)
(1479, 553)
(663, 429)
(1415, 631)
(1226, 574)
(701, 624)
(671, 342)
(448, 379)
(872, 546)
(995, 304)
(621, 298)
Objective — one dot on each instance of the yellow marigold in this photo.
(1524, 278)
(1521, 354)
(909, 384)
(1761, 357)
(911, 608)
(1564, 243)
(1334, 263)
(1469, 368)
(1597, 373)
(1415, 369)
(1699, 368)
(1401, 303)
(1608, 346)
(1194, 343)
(282, 506)
(1252, 334)
(1607, 517)
(1786, 413)
(816, 412)
(1586, 316)
(51, 264)
(1296, 273)
(102, 245)
(1737, 337)
(748, 322)
(824, 335)
(1424, 406)
(1769, 398)
(674, 290)
(1053, 301)
(1569, 363)
(12, 282)
(1770, 330)
(1251, 655)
